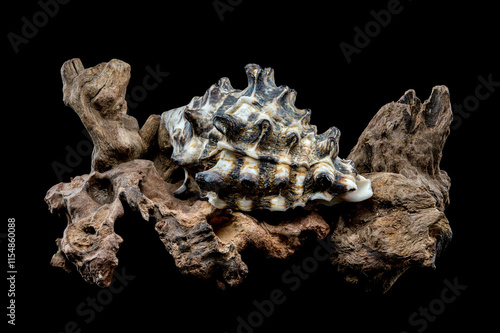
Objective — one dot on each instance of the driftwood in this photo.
(403, 223)
(97, 95)
(374, 241)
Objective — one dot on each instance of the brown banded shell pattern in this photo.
(253, 149)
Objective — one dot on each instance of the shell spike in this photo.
(306, 118)
(287, 97)
(265, 127)
(270, 76)
(227, 125)
(324, 180)
(253, 72)
(328, 142)
(291, 141)
(210, 180)
(225, 84)
(260, 81)
(333, 133)
(190, 116)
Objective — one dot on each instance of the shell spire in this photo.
(259, 79)
(253, 149)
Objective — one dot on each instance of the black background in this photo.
(452, 44)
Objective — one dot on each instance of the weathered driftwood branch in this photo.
(375, 241)
(204, 242)
(97, 95)
(403, 224)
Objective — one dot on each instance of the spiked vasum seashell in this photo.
(253, 149)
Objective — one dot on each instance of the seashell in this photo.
(253, 149)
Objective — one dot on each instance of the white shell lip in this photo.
(244, 204)
(364, 191)
(214, 199)
(278, 204)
